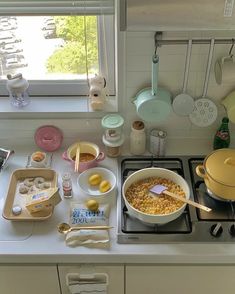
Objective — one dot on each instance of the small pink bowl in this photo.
(85, 147)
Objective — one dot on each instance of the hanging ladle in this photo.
(65, 228)
(183, 103)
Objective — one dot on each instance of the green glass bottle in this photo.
(222, 136)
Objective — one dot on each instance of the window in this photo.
(57, 45)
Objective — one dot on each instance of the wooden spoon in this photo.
(158, 189)
(77, 159)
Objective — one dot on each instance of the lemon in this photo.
(92, 205)
(95, 179)
(104, 186)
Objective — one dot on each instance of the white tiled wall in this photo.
(139, 50)
(136, 72)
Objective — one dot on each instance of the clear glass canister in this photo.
(113, 123)
(113, 149)
(113, 137)
(137, 138)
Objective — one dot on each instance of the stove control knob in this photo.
(232, 230)
(216, 230)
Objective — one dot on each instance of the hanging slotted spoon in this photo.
(205, 111)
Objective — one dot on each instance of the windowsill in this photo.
(62, 107)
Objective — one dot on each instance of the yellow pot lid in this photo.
(220, 166)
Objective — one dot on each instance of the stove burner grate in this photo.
(217, 197)
(181, 225)
(194, 225)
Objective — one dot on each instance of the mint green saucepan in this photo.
(153, 104)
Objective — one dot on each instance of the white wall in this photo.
(136, 73)
(139, 50)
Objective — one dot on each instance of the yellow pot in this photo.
(218, 172)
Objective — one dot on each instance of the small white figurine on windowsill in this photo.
(97, 93)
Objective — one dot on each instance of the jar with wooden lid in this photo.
(137, 138)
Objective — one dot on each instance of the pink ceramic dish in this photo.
(48, 138)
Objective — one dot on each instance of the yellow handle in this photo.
(200, 171)
(230, 161)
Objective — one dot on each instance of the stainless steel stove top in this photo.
(194, 225)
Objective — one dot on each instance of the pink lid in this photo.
(49, 138)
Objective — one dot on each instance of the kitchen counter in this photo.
(39, 242)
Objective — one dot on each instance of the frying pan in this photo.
(148, 173)
(153, 104)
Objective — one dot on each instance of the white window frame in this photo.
(106, 45)
(74, 107)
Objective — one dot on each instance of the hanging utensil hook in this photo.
(231, 48)
(157, 37)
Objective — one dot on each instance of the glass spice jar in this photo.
(67, 185)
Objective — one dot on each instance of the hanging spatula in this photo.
(159, 189)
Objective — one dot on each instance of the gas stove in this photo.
(194, 225)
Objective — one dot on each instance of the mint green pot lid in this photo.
(112, 121)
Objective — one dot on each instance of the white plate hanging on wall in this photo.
(205, 110)
(183, 104)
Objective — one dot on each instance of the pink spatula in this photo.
(159, 189)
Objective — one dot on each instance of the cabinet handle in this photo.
(78, 283)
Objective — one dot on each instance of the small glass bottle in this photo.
(137, 138)
(222, 136)
(67, 185)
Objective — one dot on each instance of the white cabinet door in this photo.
(26, 279)
(180, 279)
(114, 274)
(181, 15)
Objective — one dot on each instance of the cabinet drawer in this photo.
(82, 273)
(180, 279)
(25, 279)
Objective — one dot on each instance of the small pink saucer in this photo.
(48, 138)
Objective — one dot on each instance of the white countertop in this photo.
(39, 242)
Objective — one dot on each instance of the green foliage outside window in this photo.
(71, 58)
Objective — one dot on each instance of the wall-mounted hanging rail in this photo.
(159, 41)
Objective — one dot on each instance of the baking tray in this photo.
(15, 198)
